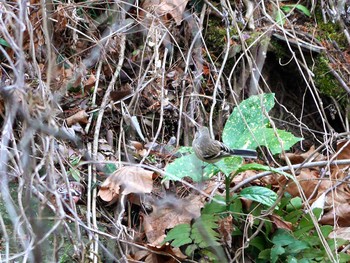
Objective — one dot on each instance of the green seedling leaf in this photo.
(280, 18)
(74, 160)
(301, 8)
(297, 246)
(110, 168)
(189, 166)
(259, 194)
(4, 43)
(259, 242)
(296, 203)
(75, 174)
(265, 254)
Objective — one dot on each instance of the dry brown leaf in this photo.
(339, 196)
(308, 179)
(174, 8)
(338, 172)
(126, 180)
(169, 213)
(266, 180)
(167, 249)
(90, 82)
(296, 158)
(280, 223)
(80, 117)
(338, 216)
(225, 229)
(341, 232)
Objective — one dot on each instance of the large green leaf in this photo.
(247, 126)
(229, 164)
(259, 194)
(189, 166)
(246, 117)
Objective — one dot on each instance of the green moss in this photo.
(330, 31)
(215, 36)
(324, 80)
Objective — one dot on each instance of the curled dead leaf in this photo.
(225, 229)
(341, 232)
(280, 223)
(80, 117)
(126, 180)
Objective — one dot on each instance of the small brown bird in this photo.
(211, 151)
(76, 189)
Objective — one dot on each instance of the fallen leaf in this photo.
(174, 8)
(126, 180)
(168, 213)
(341, 232)
(89, 83)
(308, 180)
(338, 172)
(296, 158)
(225, 229)
(280, 223)
(339, 216)
(80, 117)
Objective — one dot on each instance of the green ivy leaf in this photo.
(259, 194)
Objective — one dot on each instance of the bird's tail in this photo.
(244, 153)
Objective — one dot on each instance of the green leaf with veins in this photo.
(248, 126)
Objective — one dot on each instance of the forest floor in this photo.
(100, 102)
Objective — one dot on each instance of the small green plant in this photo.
(280, 16)
(299, 7)
(247, 127)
